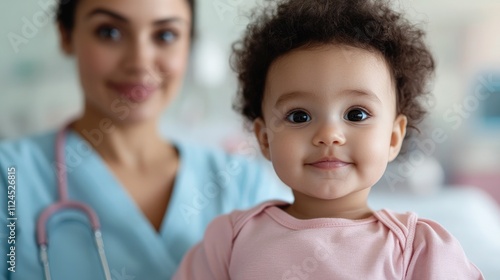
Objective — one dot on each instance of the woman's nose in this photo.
(139, 57)
(329, 133)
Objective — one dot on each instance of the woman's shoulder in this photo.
(198, 154)
(15, 151)
(234, 180)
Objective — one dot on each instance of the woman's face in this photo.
(131, 55)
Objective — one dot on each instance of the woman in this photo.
(153, 197)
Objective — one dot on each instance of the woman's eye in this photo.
(298, 117)
(109, 33)
(356, 115)
(167, 36)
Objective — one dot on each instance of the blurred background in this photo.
(459, 144)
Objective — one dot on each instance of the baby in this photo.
(331, 87)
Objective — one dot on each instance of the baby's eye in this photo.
(166, 36)
(298, 117)
(356, 115)
(109, 33)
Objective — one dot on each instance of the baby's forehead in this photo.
(331, 67)
(334, 53)
(328, 58)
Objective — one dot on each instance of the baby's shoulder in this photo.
(233, 222)
(413, 230)
(427, 245)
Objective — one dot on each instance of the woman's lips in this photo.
(134, 92)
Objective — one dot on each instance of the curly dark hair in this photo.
(66, 10)
(367, 24)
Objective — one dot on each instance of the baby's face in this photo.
(329, 121)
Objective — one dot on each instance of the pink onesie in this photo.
(266, 243)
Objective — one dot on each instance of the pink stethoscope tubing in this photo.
(64, 203)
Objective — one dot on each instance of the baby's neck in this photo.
(353, 207)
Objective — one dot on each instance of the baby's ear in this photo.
(65, 39)
(260, 130)
(397, 136)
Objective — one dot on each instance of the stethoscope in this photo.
(64, 203)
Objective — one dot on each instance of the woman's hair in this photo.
(367, 24)
(66, 10)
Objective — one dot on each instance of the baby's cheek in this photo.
(284, 161)
(370, 156)
(376, 165)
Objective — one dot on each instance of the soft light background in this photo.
(39, 89)
(460, 140)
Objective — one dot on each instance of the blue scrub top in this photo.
(208, 183)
